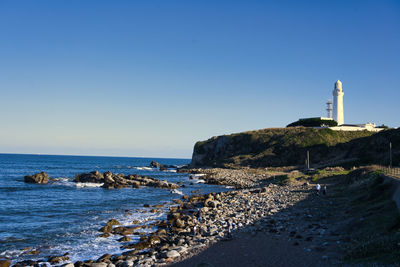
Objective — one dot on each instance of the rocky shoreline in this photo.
(238, 178)
(261, 207)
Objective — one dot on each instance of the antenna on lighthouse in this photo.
(329, 108)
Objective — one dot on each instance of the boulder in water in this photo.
(58, 259)
(108, 178)
(154, 164)
(113, 222)
(38, 178)
(111, 180)
(106, 229)
(92, 177)
(163, 167)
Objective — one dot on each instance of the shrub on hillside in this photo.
(313, 122)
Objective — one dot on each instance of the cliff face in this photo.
(288, 147)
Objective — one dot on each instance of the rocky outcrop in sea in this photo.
(38, 178)
(112, 180)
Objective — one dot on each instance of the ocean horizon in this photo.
(102, 156)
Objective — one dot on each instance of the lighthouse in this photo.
(338, 103)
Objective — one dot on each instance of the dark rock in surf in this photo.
(39, 178)
(92, 177)
(111, 180)
(58, 259)
(154, 164)
(163, 168)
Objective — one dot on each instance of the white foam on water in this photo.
(12, 253)
(229, 187)
(90, 246)
(62, 179)
(81, 185)
(171, 170)
(145, 168)
(198, 175)
(200, 181)
(176, 191)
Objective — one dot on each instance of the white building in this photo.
(338, 93)
(357, 127)
(338, 115)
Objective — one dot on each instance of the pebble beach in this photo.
(287, 218)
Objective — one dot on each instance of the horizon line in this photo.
(72, 155)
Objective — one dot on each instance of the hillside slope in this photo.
(288, 147)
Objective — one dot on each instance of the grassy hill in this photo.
(288, 147)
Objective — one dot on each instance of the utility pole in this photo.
(308, 160)
(390, 154)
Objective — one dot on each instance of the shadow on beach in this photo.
(311, 231)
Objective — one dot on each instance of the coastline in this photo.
(279, 219)
(266, 209)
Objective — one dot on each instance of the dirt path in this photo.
(262, 249)
(305, 234)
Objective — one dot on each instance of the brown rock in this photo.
(104, 235)
(161, 232)
(142, 245)
(207, 201)
(5, 263)
(162, 224)
(180, 223)
(106, 229)
(178, 201)
(125, 239)
(105, 257)
(38, 178)
(118, 230)
(127, 231)
(154, 240)
(113, 222)
(92, 177)
(58, 259)
(33, 252)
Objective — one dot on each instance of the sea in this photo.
(64, 216)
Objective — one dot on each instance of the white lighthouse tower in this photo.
(338, 103)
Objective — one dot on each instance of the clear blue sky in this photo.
(150, 78)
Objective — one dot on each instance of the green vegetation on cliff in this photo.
(364, 214)
(313, 122)
(374, 225)
(288, 147)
